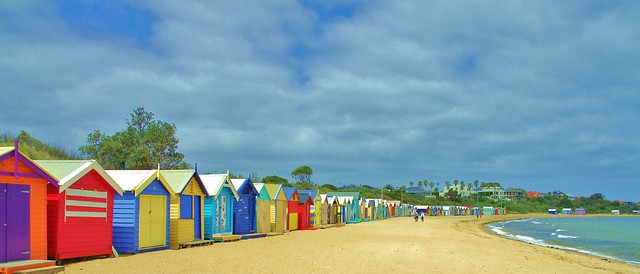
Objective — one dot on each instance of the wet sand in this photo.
(398, 245)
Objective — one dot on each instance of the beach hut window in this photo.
(85, 203)
(186, 207)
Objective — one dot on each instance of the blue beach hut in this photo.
(218, 205)
(141, 214)
(244, 209)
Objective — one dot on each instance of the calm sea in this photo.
(616, 238)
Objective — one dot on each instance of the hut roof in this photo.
(179, 179)
(138, 180)
(5, 151)
(273, 190)
(240, 183)
(213, 183)
(289, 192)
(70, 171)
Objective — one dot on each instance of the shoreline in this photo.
(459, 244)
(487, 229)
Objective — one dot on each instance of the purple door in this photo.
(14, 223)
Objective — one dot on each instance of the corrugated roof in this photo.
(137, 180)
(213, 183)
(70, 171)
(239, 183)
(5, 150)
(179, 178)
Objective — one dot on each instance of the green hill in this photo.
(34, 148)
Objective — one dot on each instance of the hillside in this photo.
(34, 148)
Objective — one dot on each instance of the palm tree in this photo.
(447, 184)
(431, 185)
(411, 183)
(455, 184)
(419, 183)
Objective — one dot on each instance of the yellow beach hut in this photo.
(186, 210)
(277, 208)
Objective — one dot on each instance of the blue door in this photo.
(14, 223)
(197, 217)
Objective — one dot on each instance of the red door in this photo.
(14, 223)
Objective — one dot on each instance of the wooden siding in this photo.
(85, 236)
(278, 217)
(37, 205)
(125, 216)
(181, 231)
(262, 217)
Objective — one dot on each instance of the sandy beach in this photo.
(397, 245)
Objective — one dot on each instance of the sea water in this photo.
(615, 238)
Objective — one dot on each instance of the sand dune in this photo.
(398, 245)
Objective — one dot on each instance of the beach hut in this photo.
(488, 210)
(552, 211)
(292, 207)
(581, 211)
(304, 210)
(352, 213)
(277, 208)
(23, 207)
(567, 211)
(324, 209)
(263, 220)
(315, 210)
(80, 211)
(186, 209)
(244, 209)
(218, 205)
(141, 214)
(615, 212)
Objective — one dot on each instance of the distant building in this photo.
(534, 194)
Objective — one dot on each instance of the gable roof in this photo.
(240, 183)
(5, 152)
(304, 197)
(137, 180)
(215, 182)
(70, 171)
(289, 192)
(311, 192)
(274, 191)
(262, 191)
(178, 179)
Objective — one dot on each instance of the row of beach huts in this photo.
(51, 210)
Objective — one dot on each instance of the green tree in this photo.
(431, 184)
(144, 144)
(302, 174)
(411, 183)
(273, 179)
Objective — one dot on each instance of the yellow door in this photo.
(293, 221)
(152, 221)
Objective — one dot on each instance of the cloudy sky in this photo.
(543, 95)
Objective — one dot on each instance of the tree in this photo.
(596, 196)
(273, 179)
(411, 183)
(419, 183)
(302, 174)
(144, 144)
(431, 186)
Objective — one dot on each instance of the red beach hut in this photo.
(80, 212)
(23, 208)
(304, 211)
(292, 207)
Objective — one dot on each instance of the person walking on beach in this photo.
(422, 216)
(415, 216)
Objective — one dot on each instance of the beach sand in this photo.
(397, 245)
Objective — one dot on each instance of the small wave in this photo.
(554, 234)
(558, 230)
(567, 236)
(536, 222)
